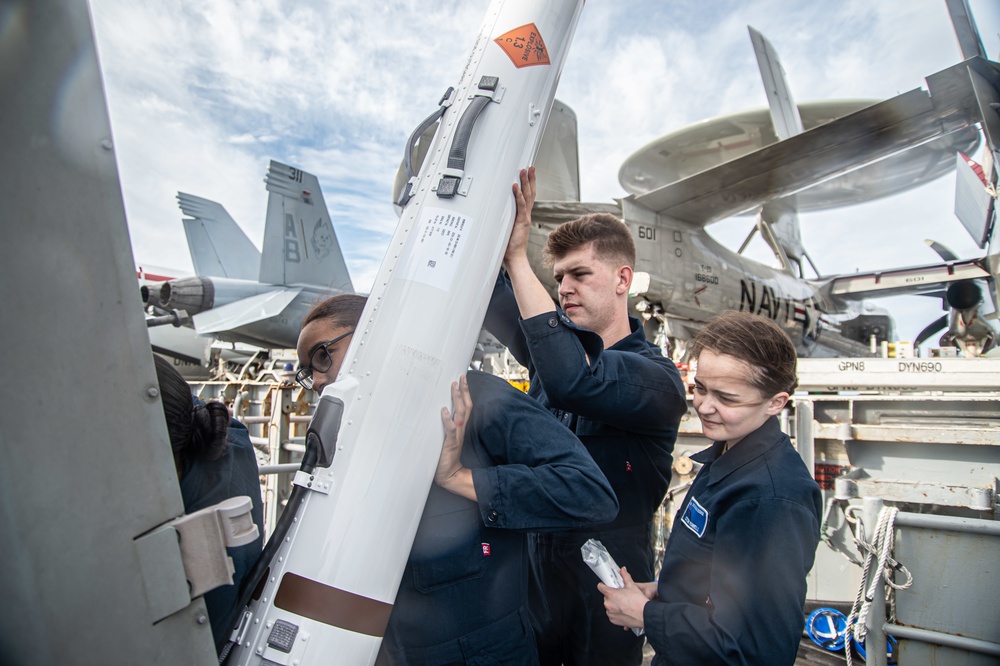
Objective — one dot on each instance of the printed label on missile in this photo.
(441, 239)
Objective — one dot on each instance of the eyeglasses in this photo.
(319, 361)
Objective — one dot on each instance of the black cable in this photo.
(263, 563)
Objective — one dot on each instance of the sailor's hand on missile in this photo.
(625, 605)
(524, 198)
(531, 295)
(451, 474)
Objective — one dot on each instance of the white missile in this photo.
(328, 592)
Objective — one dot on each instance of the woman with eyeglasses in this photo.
(507, 467)
(733, 582)
(324, 337)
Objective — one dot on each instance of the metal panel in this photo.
(162, 572)
(955, 581)
(973, 203)
(86, 461)
(899, 374)
(916, 652)
(931, 446)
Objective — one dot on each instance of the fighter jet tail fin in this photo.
(557, 163)
(219, 248)
(300, 245)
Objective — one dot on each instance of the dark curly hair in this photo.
(197, 430)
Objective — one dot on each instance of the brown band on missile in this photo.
(332, 606)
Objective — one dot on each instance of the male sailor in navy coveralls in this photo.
(590, 365)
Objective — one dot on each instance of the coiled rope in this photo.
(879, 550)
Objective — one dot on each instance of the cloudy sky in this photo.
(202, 94)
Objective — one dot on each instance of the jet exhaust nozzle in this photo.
(149, 296)
(192, 295)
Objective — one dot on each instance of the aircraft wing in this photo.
(900, 281)
(245, 311)
(551, 214)
(827, 151)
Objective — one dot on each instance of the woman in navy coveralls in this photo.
(215, 461)
(733, 582)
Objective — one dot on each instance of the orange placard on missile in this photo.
(524, 46)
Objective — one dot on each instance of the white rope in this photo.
(878, 551)
(826, 532)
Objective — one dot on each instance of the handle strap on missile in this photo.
(448, 185)
(407, 192)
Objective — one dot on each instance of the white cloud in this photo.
(203, 94)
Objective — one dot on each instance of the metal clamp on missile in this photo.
(321, 446)
(407, 192)
(309, 481)
(329, 412)
(451, 183)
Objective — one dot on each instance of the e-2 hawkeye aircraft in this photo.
(796, 157)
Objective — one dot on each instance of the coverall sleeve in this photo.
(624, 389)
(540, 477)
(763, 551)
(502, 317)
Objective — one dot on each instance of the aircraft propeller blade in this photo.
(934, 327)
(965, 293)
(942, 251)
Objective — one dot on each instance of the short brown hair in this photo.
(755, 340)
(611, 238)
(343, 310)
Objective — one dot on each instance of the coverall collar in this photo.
(750, 447)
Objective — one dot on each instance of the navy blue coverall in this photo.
(208, 482)
(733, 581)
(463, 595)
(624, 403)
